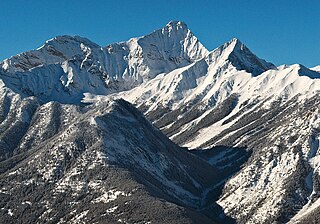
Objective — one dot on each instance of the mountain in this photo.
(72, 150)
(100, 163)
(272, 113)
(65, 67)
(188, 102)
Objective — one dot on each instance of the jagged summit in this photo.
(304, 71)
(242, 58)
(66, 67)
(55, 50)
(235, 41)
(301, 70)
(174, 41)
(74, 65)
(176, 25)
(68, 39)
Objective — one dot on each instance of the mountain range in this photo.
(157, 129)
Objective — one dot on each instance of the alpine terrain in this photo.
(157, 129)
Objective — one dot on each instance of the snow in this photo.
(110, 195)
(111, 210)
(316, 68)
(6, 64)
(276, 84)
(26, 202)
(92, 121)
(122, 221)
(168, 67)
(10, 212)
(3, 191)
(268, 185)
(14, 172)
(79, 218)
(313, 158)
(214, 79)
(66, 67)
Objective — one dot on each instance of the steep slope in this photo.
(282, 173)
(65, 67)
(15, 117)
(193, 83)
(273, 114)
(100, 163)
(215, 101)
(175, 101)
(256, 93)
(211, 94)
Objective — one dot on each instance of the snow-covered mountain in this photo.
(65, 67)
(189, 102)
(274, 114)
(64, 128)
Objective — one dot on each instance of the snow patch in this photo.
(10, 212)
(110, 195)
(111, 210)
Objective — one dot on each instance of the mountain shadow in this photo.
(225, 162)
(228, 161)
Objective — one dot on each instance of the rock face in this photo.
(72, 151)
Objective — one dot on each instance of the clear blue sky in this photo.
(280, 31)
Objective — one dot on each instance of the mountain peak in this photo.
(175, 43)
(235, 41)
(235, 45)
(54, 50)
(176, 25)
(63, 40)
(242, 58)
(236, 53)
(304, 71)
